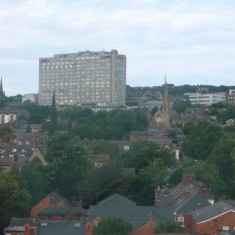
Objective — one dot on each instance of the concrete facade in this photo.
(206, 99)
(83, 78)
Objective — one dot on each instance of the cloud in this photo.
(189, 40)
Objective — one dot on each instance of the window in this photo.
(180, 220)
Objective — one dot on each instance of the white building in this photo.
(231, 96)
(205, 99)
(6, 118)
(83, 78)
(31, 97)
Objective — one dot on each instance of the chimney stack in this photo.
(157, 196)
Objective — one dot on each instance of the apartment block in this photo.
(83, 78)
(205, 99)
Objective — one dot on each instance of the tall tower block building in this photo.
(83, 78)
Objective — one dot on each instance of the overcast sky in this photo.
(189, 41)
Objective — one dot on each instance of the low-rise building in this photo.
(205, 99)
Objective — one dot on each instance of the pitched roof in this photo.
(62, 211)
(61, 227)
(212, 211)
(17, 224)
(47, 227)
(6, 161)
(175, 196)
(116, 199)
(119, 206)
(194, 202)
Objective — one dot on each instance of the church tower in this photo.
(166, 107)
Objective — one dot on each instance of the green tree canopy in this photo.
(169, 227)
(33, 177)
(102, 182)
(142, 152)
(200, 140)
(6, 133)
(104, 147)
(112, 226)
(209, 175)
(181, 106)
(67, 166)
(13, 198)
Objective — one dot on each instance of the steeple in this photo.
(53, 118)
(2, 94)
(166, 107)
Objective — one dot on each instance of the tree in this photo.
(6, 133)
(34, 179)
(104, 147)
(154, 110)
(200, 140)
(181, 106)
(101, 182)
(68, 164)
(112, 226)
(13, 198)
(143, 152)
(221, 156)
(149, 177)
(209, 175)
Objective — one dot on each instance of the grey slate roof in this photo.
(47, 227)
(119, 206)
(62, 211)
(17, 224)
(187, 205)
(116, 199)
(212, 211)
(61, 228)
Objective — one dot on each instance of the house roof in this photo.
(119, 206)
(116, 199)
(99, 158)
(191, 203)
(61, 227)
(6, 161)
(212, 211)
(62, 211)
(17, 224)
(47, 227)
(176, 197)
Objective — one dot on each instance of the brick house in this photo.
(52, 199)
(38, 155)
(186, 197)
(143, 218)
(26, 226)
(215, 218)
(56, 207)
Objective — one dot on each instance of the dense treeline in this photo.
(208, 151)
(174, 90)
(113, 125)
(210, 145)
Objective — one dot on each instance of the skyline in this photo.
(190, 42)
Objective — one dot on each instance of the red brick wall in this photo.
(188, 220)
(40, 206)
(212, 226)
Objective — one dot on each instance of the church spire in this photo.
(166, 106)
(53, 118)
(2, 94)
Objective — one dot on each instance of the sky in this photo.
(188, 41)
